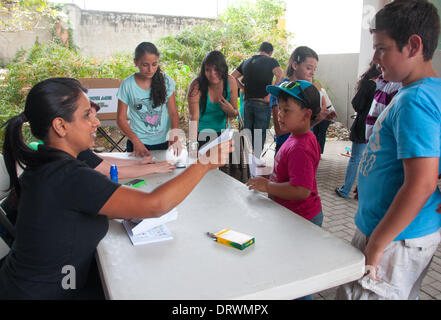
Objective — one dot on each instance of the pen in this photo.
(212, 235)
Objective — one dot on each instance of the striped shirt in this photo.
(383, 95)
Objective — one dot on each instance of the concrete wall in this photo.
(102, 33)
(10, 42)
(338, 73)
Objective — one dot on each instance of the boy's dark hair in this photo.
(266, 47)
(403, 18)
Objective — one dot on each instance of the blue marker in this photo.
(114, 173)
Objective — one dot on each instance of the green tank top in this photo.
(214, 117)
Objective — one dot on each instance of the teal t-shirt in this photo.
(214, 117)
(409, 127)
(150, 125)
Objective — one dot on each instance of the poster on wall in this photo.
(103, 92)
(105, 98)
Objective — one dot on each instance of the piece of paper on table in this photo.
(257, 166)
(157, 234)
(144, 225)
(225, 136)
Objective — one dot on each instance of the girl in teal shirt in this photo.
(212, 98)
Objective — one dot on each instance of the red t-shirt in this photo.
(297, 162)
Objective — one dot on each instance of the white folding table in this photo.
(290, 258)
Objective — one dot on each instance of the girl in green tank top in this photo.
(212, 96)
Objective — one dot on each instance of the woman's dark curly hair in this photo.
(216, 59)
(158, 89)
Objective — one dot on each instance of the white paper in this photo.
(143, 225)
(157, 234)
(225, 136)
(257, 166)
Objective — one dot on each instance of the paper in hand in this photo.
(225, 136)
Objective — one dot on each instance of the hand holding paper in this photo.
(216, 153)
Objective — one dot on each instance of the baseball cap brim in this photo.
(275, 90)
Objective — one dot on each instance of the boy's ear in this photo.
(415, 44)
(308, 112)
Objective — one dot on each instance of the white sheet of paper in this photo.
(256, 165)
(157, 234)
(225, 136)
(144, 225)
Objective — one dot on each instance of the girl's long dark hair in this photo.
(299, 55)
(216, 59)
(158, 90)
(371, 72)
(47, 100)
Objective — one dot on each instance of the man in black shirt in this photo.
(253, 75)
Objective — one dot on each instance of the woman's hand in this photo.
(139, 150)
(227, 107)
(176, 146)
(145, 160)
(162, 167)
(259, 184)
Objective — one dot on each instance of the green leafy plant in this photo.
(237, 33)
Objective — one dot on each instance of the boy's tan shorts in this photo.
(401, 270)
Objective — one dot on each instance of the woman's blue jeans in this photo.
(352, 168)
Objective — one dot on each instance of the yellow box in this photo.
(234, 239)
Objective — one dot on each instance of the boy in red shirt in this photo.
(293, 182)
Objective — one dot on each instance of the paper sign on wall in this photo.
(105, 98)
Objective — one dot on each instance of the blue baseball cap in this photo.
(301, 90)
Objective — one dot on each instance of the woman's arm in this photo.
(127, 162)
(193, 96)
(130, 203)
(139, 149)
(174, 124)
(134, 171)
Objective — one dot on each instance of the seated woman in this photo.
(64, 205)
(212, 98)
